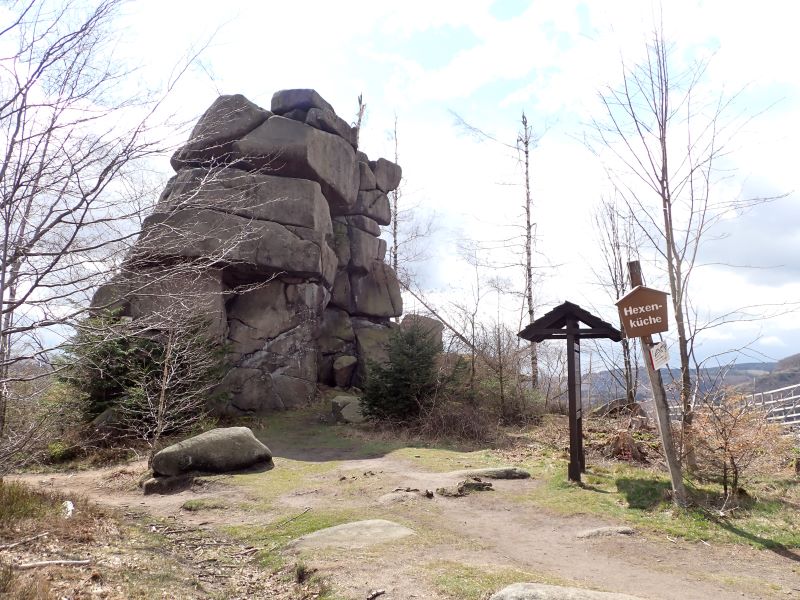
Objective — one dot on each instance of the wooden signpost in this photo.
(563, 322)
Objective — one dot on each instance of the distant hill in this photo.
(746, 377)
(785, 373)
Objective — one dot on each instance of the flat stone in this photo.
(359, 534)
(605, 531)
(540, 591)
(366, 224)
(498, 473)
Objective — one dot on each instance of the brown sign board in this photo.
(643, 311)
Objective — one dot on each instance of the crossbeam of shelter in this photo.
(564, 323)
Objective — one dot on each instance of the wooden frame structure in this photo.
(564, 323)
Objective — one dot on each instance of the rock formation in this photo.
(270, 228)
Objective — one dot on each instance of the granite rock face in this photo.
(270, 230)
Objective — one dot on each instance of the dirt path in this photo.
(483, 531)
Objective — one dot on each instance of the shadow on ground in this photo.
(301, 435)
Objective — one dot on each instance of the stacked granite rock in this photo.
(280, 201)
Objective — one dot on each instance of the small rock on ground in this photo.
(538, 591)
(604, 531)
(359, 534)
(463, 488)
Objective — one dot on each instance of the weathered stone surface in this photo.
(364, 251)
(216, 451)
(341, 241)
(304, 99)
(341, 294)
(337, 405)
(157, 295)
(352, 413)
(387, 174)
(376, 294)
(284, 206)
(113, 296)
(296, 114)
(371, 344)
(540, 591)
(343, 368)
(297, 202)
(167, 485)
(226, 120)
(366, 177)
(373, 204)
(236, 241)
(291, 149)
(327, 120)
(430, 327)
(360, 534)
(336, 331)
(271, 344)
(364, 224)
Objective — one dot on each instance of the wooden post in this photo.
(660, 403)
(577, 460)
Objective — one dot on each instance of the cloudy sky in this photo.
(489, 60)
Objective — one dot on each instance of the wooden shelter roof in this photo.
(552, 325)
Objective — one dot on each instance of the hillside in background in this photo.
(745, 377)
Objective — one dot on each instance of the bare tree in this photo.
(524, 244)
(664, 140)
(618, 245)
(410, 229)
(72, 144)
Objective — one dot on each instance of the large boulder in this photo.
(215, 451)
(376, 294)
(432, 328)
(387, 174)
(329, 121)
(297, 202)
(221, 239)
(272, 348)
(288, 148)
(373, 204)
(302, 99)
(226, 120)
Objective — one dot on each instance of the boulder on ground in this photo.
(216, 451)
(605, 532)
(540, 591)
(620, 407)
